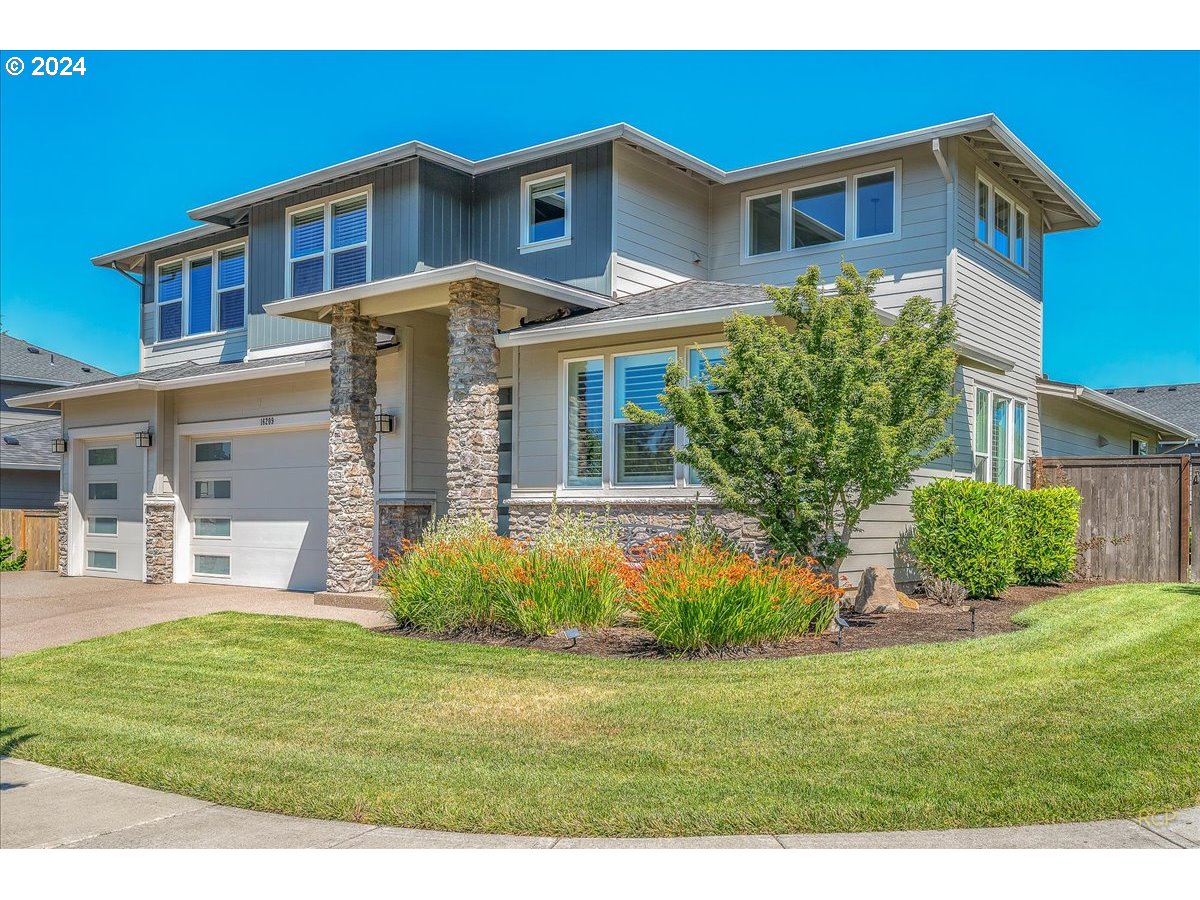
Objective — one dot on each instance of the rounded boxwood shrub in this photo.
(964, 532)
(1046, 523)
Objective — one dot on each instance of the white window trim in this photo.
(196, 536)
(112, 481)
(608, 483)
(92, 465)
(327, 251)
(989, 452)
(196, 574)
(528, 183)
(100, 534)
(1151, 446)
(851, 178)
(185, 261)
(213, 479)
(990, 243)
(90, 568)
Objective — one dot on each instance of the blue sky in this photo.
(93, 163)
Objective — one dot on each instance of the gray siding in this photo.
(11, 415)
(444, 216)
(496, 231)
(1071, 429)
(661, 226)
(28, 489)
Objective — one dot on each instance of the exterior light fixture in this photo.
(384, 422)
(842, 625)
(143, 439)
(59, 445)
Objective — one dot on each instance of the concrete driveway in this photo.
(40, 609)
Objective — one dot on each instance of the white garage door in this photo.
(113, 545)
(258, 509)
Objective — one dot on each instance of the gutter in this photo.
(1083, 394)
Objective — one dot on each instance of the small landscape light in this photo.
(571, 634)
(971, 610)
(842, 625)
(384, 422)
(143, 439)
(59, 445)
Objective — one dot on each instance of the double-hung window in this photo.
(202, 293)
(546, 210)
(329, 245)
(1000, 223)
(999, 438)
(601, 445)
(857, 207)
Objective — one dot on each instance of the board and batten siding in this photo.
(660, 226)
(913, 263)
(497, 226)
(998, 305)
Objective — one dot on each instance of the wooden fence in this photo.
(36, 532)
(1138, 514)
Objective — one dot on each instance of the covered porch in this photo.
(444, 455)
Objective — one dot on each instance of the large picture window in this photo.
(604, 448)
(329, 245)
(999, 438)
(203, 293)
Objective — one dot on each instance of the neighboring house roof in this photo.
(186, 374)
(986, 133)
(1175, 402)
(1102, 401)
(23, 361)
(28, 446)
(683, 304)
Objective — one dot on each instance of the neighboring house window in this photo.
(602, 447)
(861, 206)
(546, 209)
(999, 438)
(1000, 222)
(1139, 446)
(191, 300)
(329, 245)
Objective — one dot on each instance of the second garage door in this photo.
(258, 509)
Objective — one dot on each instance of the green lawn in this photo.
(1091, 712)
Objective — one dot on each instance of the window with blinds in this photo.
(170, 301)
(231, 288)
(643, 451)
(999, 438)
(700, 360)
(329, 246)
(585, 422)
(203, 293)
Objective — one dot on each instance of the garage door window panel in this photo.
(102, 456)
(208, 564)
(102, 490)
(213, 451)
(102, 525)
(102, 560)
(213, 527)
(213, 489)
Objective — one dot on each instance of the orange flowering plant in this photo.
(702, 595)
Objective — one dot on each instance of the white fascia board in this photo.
(106, 260)
(44, 399)
(1083, 394)
(1001, 132)
(433, 277)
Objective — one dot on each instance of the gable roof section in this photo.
(1102, 401)
(986, 133)
(1175, 402)
(22, 361)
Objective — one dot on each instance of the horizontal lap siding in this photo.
(302, 392)
(496, 223)
(661, 224)
(1069, 429)
(913, 264)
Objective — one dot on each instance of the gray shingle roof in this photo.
(28, 445)
(682, 297)
(1178, 403)
(23, 361)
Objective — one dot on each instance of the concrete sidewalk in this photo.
(42, 806)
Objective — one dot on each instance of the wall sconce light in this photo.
(384, 422)
(59, 445)
(1101, 441)
(143, 439)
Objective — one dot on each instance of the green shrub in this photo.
(461, 575)
(964, 532)
(703, 597)
(10, 560)
(1046, 523)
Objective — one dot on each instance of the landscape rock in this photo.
(876, 591)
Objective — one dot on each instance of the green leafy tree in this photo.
(10, 561)
(808, 422)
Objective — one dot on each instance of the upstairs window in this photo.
(329, 245)
(1000, 223)
(203, 293)
(546, 209)
(864, 206)
(999, 438)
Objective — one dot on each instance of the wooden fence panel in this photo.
(36, 532)
(1135, 520)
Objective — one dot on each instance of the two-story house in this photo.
(328, 361)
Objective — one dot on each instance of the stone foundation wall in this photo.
(640, 520)
(63, 506)
(400, 521)
(160, 540)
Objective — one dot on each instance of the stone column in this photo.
(160, 540)
(351, 451)
(472, 409)
(63, 505)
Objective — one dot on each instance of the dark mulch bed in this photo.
(931, 623)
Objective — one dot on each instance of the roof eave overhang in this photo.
(133, 258)
(1097, 400)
